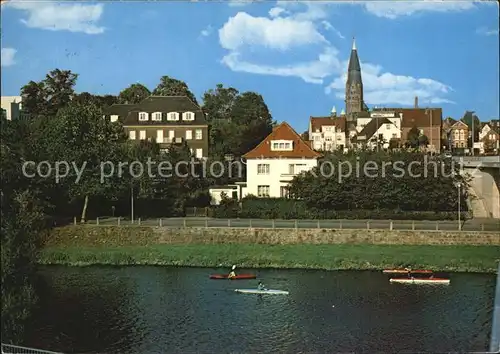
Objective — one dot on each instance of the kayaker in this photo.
(232, 274)
(261, 286)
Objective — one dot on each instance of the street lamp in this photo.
(459, 185)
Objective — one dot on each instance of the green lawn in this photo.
(307, 256)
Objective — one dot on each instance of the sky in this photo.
(292, 53)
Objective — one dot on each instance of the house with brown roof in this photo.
(427, 120)
(273, 163)
(166, 120)
(328, 133)
(489, 140)
(459, 135)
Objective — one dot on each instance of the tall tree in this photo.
(412, 137)
(237, 122)
(134, 94)
(79, 135)
(467, 119)
(169, 86)
(46, 97)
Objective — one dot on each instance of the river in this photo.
(179, 310)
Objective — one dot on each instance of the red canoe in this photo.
(404, 271)
(238, 276)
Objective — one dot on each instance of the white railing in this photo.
(15, 349)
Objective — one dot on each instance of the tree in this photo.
(237, 122)
(46, 97)
(423, 140)
(412, 138)
(100, 101)
(467, 119)
(169, 86)
(134, 94)
(79, 136)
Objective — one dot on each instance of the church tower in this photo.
(354, 85)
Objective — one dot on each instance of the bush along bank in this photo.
(282, 208)
(482, 259)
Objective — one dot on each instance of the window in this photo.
(171, 135)
(283, 145)
(284, 192)
(317, 138)
(143, 116)
(263, 169)
(394, 136)
(198, 134)
(173, 116)
(159, 136)
(388, 126)
(157, 116)
(114, 117)
(189, 134)
(142, 135)
(328, 129)
(263, 191)
(199, 153)
(328, 138)
(188, 116)
(298, 168)
(131, 135)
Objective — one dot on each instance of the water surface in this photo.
(180, 310)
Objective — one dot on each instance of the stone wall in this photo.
(137, 235)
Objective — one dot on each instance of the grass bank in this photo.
(482, 259)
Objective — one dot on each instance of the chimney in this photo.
(416, 101)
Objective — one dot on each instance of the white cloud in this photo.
(60, 16)
(487, 32)
(8, 55)
(207, 31)
(277, 11)
(243, 30)
(395, 9)
(328, 26)
(381, 88)
(313, 72)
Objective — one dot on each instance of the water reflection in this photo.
(173, 310)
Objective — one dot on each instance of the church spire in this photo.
(354, 84)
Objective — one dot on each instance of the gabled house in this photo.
(427, 120)
(273, 163)
(328, 133)
(378, 132)
(490, 141)
(166, 120)
(459, 135)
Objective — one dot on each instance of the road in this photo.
(471, 225)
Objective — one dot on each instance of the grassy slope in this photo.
(445, 258)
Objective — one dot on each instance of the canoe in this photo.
(237, 277)
(262, 292)
(441, 281)
(403, 271)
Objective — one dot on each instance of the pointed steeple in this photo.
(354, 60)
(333, 113)
(342, 113)
(354, 85)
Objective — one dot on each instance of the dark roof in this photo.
(417, 117)
(118, 109)
(354, 69)
(372, 127)
(129, 114)
(318, 122)
(282, 132)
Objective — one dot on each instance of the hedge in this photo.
(280, 208)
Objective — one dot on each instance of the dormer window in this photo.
(188, 116)
(173, 116)
(143, 116)
(157, 116)
(282, 145)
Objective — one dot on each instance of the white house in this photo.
(328, 133)
(273, 163)
(379, 129)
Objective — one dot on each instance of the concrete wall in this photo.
(485, 188)
(108, 235)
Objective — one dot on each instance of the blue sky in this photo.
(294, 54)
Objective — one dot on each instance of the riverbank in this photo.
(482, 259)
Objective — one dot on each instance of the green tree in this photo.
(46, 97)
(237, 122)
(79, 135)
(134, 94)
(412, 138)
(169, 86)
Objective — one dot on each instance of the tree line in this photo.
(64, 125)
